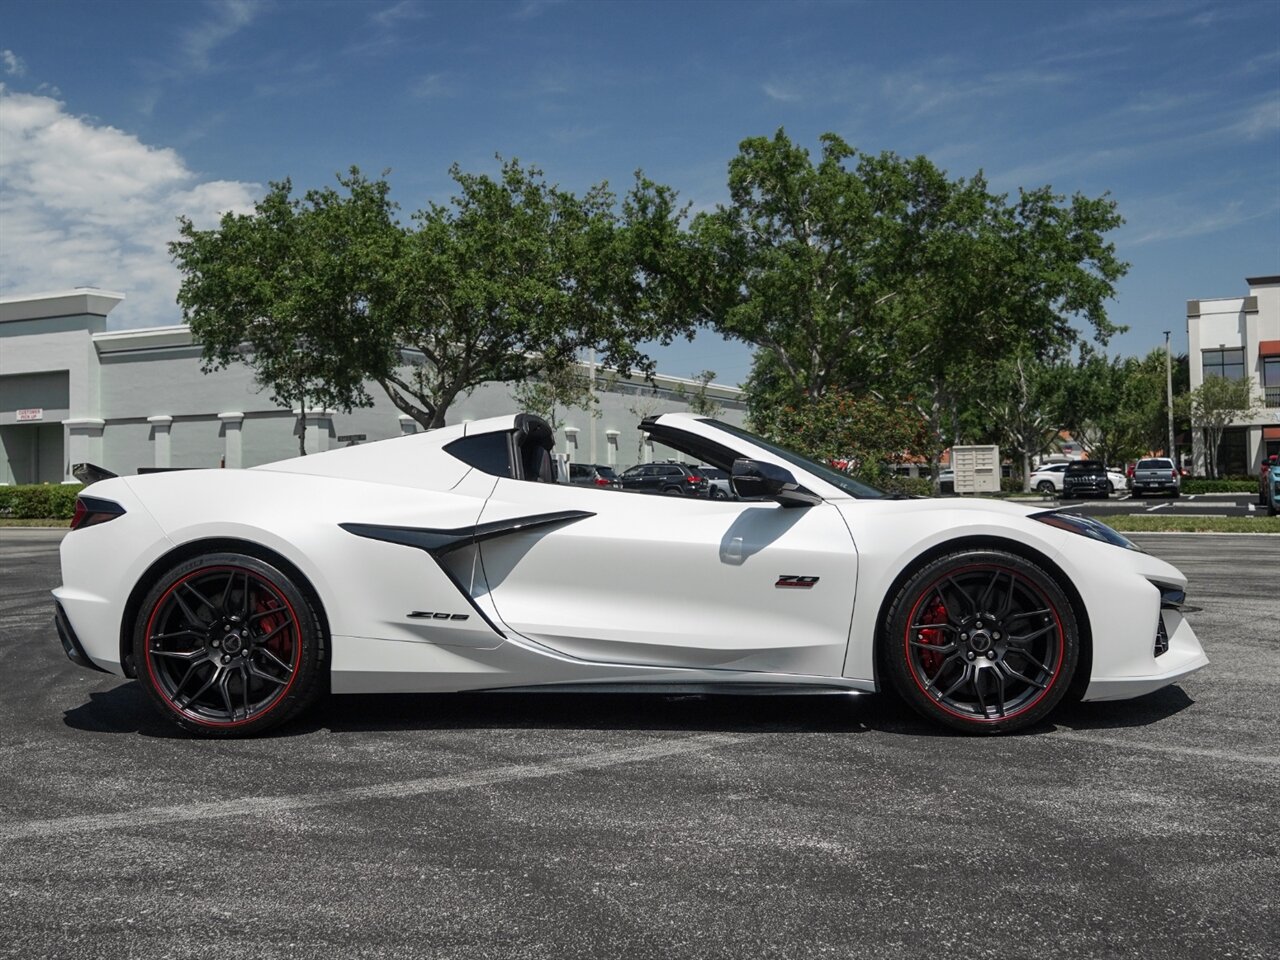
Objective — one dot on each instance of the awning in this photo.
(1271, 433)
(1269, 348)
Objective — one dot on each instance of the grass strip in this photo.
(1148, 524)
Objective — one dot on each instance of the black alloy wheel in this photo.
(983, 641)
(226, 645)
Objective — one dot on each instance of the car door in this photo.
(673, 581)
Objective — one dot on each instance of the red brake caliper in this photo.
(934, 613)
(279, 644)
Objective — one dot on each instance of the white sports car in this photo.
(452, 560)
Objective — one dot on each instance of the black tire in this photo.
(673, 491)
(1046, 488)
(1111, 488)
(718, 494)
(972, 601)
(227, 645)
(1271, 509)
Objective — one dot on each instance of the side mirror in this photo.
(757, 480)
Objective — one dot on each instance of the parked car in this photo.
(1085, 478)
(593, 475)
(669, 477)
(452, 560)
(718, 486)
(1048, 478)
(1268, 477)
(1156, 475)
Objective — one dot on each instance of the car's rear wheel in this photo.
(1045, 487)
(982, 640)
(227, 645)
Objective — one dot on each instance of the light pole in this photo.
(1168, 387)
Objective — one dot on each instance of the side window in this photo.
(487, 452)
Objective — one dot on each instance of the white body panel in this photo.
(630, 589)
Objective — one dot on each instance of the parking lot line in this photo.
(256, 806)
(1207, 753)
(1158, 506)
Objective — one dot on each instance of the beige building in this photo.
(1239, 337)
(72, 391)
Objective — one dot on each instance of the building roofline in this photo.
(1261, 281)
(78, 301)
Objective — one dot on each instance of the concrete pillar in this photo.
(160, 426)
(571, 444)
(319, 426)
(408, 425)
(81, 443)
(232, 456)
(611, 447)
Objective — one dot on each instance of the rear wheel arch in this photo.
(1084, 663)
(187, 551)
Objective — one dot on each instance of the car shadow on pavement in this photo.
(1118, 714)
(126, 709)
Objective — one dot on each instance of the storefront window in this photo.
(1232, 452)
(1224, 363)
(1271, 381)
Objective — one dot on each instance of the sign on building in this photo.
(30, 414)
(977, 469)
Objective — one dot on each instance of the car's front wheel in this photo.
(1045, 487)
(981, 640)
(227, 645)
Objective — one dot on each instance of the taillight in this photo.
(693, 479)
(94, 510)
(1173, 474)
(601, 482)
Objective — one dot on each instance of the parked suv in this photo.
(668, 477)
(718, 486)
(592, 475)
(1156, 475)
(1085, 478)
(1048, 478)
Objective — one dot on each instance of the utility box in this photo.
(977, 469)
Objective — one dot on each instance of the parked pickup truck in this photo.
(1155, 475)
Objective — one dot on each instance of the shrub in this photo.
(1234, 485)
(39, 501)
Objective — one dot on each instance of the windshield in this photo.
(843, 481)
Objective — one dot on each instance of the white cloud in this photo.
(226, 20)
(775, 92)
(13, 64)
(88, 204)
(430, 87)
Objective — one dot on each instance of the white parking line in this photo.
(1158, 506)
(257, 806)
(1208, 753)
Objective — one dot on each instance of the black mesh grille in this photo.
(1162, 637)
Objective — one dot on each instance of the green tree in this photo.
(513, 276)
(1023, 404)
(698, 399)
(868, 437)
(883, 276)
(285, 291)
(1214, 405)
(555, 389)
(516, 275)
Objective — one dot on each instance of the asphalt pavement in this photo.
(512, 826)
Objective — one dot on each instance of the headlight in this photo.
(1086, 527)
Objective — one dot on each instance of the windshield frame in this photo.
(828, 475)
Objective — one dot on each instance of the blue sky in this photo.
(117, 117)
